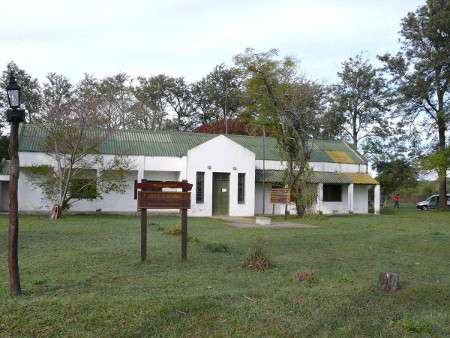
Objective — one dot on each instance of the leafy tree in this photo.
(394, 175)
(181, 101)
(150, 108)
(77, 170)
(420, 77)
(117, 100)
(218, 95)
(30, 93)
(357, 100)
(282, 98)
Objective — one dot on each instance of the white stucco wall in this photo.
(279, 208)
(337, 207)
(222, 155)
(316, 166)
(360, 199)
(4, 195)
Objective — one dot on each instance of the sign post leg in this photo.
(183, 234)
(285, 212)
(273, 211)
(143, 235)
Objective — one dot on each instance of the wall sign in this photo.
(164, 200)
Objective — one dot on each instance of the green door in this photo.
(221, 194)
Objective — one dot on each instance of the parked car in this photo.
(432, 202)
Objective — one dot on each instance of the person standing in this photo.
(396, 201)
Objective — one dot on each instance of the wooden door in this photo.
(221, 194)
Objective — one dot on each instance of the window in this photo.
(83, 189)
(332, 193)
(200, 192)
(241, 188)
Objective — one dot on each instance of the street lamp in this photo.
(14, 116)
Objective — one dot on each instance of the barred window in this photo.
(332, 193)
(241, 188)
(200, 192)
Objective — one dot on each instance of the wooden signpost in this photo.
(148, 198)
(280, 196)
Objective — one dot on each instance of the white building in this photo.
(226, 171)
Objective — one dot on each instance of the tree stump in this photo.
(388, 281)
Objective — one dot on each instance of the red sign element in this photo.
(164, 184)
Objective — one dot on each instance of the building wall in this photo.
(317, 166)
(279, 208)
(337, 207)
(4, 195)
(361, 199)
(222, 155)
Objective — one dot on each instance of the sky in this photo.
(188, 38)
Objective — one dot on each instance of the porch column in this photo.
(376, 200)
(350, 198)
(320, 198)
(141, 167)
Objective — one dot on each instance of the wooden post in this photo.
(285, 211)
(184, 231)
(273, 211)
(13, 240)
(143, 235)
(143, 232)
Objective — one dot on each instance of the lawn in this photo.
(82, 275)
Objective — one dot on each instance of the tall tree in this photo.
(282, 98)
(357, 100)
(30, 92)
(77, 170)
(117, 100)
(182, 103)
(150, 107)
(420, 77)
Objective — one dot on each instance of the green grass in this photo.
(82, 275)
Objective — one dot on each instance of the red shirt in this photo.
(396, 197)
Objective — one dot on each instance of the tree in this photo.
(420, 74)
(117, 100)
(181, 101)
(282, 98)
(394, 175)
(217, 95)
(357, 100)
(150, 108)
(30, 92)
(77, 170)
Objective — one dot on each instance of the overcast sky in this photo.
(188, 38)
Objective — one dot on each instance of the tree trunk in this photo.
(56, 212)
(13, 243)
(388, 281)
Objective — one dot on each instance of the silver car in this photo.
(432, 202)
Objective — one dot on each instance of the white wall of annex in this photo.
(337, 207)
(222, 155)
(361, 199)
(279, 208)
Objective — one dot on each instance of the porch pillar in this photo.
(350, 198)
(376, 200)
(320, 198)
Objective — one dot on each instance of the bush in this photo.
(306, 275)
(217, 247)
(176, 231)
(256, 258)
(192, 239)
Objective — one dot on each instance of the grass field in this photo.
(82, 275)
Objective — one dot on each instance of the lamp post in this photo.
(14, 116)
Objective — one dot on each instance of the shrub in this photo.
(217, 247)
(306, 275)
(256, 258)
(192, 239)
(176, 231)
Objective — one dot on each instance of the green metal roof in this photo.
(169, 143)
(276, 176)
(4, 170)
